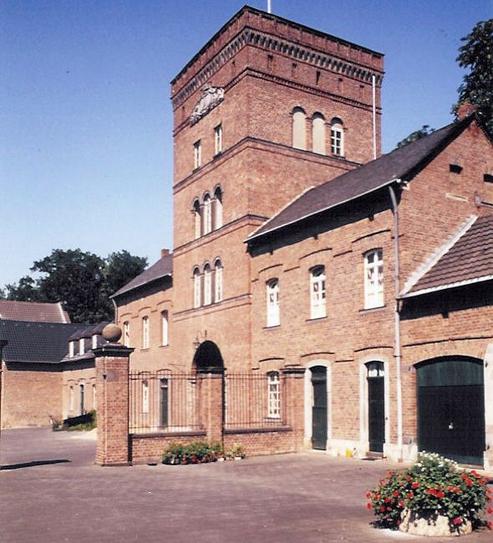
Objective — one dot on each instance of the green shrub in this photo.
(197, 452)
(236, 451)
(433, 486)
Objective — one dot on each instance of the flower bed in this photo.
(433, 497)
(200, 452)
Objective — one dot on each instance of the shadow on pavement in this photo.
(33, 463)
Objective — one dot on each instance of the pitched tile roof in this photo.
(36, 342)
(468, 260)
(33, 311)
(162, 268)
(403, 163)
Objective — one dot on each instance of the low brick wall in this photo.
(145, 448)
(258, 441)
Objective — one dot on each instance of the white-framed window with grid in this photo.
(318, 307)
(145, 332)
(207, 285)
(373, 264)
(218, 139)
(337, 137)
(273, 311)
(273, 395)
(197, 154)
(218, 281)
(197, 294)
(126, 334)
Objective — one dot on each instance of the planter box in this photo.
(431, 524)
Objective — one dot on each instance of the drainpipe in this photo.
(397, 320)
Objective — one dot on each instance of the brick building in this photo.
(293, 249)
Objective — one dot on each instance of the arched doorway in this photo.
(451, 408)
(319, 407)
(208, 356)
(375, 376)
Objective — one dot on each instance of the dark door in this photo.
(319, 407)
(82, 400)
(163, 403)
(451, 409)
(376, 406)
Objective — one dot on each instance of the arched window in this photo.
(273, 314)
(207, 214)
(374, 279)
(164, 328)
(336, 137)
(218, 208)
(299, 129)
(145, 396)
(207, 285)
(197, 294)
(273, 395)
(318, 133)
(218, 283)
(317, 293)
(145, 332)
(197, 219)
(126, 334)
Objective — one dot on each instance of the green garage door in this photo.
(451, 409)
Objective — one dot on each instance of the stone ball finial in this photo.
(112, 333)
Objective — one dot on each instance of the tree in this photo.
(82, 281)
(425, 130)
(476, 55)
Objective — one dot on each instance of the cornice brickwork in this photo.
(266, 41)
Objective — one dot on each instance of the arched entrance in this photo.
(207, 356)
(376, 406)
(319, 406)
(451, 408)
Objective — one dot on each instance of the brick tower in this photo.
(266, 109)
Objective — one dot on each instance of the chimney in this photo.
(164, 252)
(465, 109)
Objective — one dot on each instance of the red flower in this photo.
(415, 485)
(401, 504)
(410, 495)
(387, 500)
(382, 508)
(395, 494)
(368, 506)
(489, 510)
(457, 521)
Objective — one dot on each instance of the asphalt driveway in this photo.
(50, 491)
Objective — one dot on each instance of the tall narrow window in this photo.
(218, 283)
(273, 315)
(299, 129)
(336, 137)
(197, 219)
(126, 334)
(218, 208)
(274, 395)
(197, 155)
(145, 396)
(94, 402)
(207, 285)
(71, 348)
(81, 345)
(145, 332)
(317, 293)
(82, 406)
(374, 279)
(164, 329)
(207, 214)
(218, 139)
(318, 133)
(94, 341)
(71, 398)
(197, 295)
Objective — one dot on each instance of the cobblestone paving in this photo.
(301, 498)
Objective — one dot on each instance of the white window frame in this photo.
(71, 349)
(218, 281)
(299, 128)
(94, 342)
(145, 332)
(218, 208)
(207, 285)
(164, 328)
(273, 395)
(318, 134)
(126, 334)
(145, 397)
(374, 276)
(197, 294)
(218, 139)
(337, 139)
(197, 154)
(207, 212)
(273, 309)
(81, 345)
(318, 302)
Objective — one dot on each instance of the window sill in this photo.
(316, 319)
(217, 155)
(272, 327)
(372, 309)
(164, 346)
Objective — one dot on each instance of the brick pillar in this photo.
(112, 392)
(294, 402)
(212, 402)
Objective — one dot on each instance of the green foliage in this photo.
(197, 452)
(82, 281)
(434, 485)
(476, 56)
(236, 451)
(425, 130)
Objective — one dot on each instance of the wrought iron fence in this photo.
(254, 400)
(163, 401)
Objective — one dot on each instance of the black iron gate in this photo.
(451, 409)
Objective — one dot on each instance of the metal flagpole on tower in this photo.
(269, 6)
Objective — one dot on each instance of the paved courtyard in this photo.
(50, 491)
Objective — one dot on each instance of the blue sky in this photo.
(85, 117)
